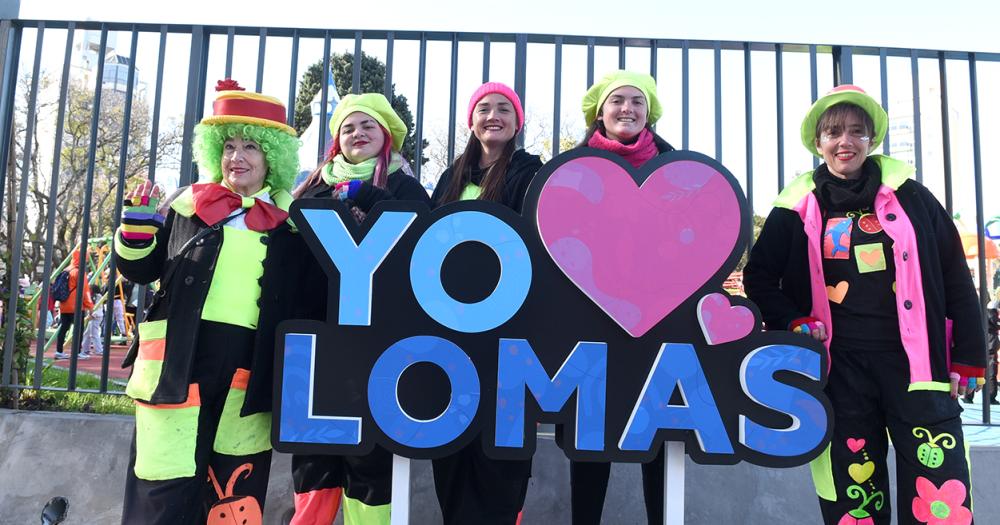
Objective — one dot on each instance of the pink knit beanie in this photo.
(502, 89)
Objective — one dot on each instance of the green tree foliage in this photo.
(372, 81)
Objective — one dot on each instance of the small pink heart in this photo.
(721, 322)
(855, 444)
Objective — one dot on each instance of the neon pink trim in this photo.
(909, 284)
(316, 507)
(812, 221)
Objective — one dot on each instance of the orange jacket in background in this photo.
(75, 276)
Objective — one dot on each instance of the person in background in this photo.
(93, 343)
(67, 309)
(993, 345)
(859, 255)
(471, 487)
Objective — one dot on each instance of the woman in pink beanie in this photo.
(491, 167)
(471, 487)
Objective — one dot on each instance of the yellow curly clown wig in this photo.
(251, 116)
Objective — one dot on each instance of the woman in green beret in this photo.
(620, 110)
(363, 166)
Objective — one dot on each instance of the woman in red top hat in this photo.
(201, 372)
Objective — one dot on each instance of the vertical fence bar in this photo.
(685, 94)
(292, 78)
(261, 55)
(390, 39)
(557, 98)
(977, 161)
(486, 58)
(843, 65)
(87, 198)
(196, 82)
(109, 311)
(779, 83)
(945, 133)
(421, 84)
(813, 85)
(12, 47)
(884, 76)
(324, 97)
(154, 139)
(230, 41)
(748, 101)
(621, 53)
(917, 155)
(356, 65)
(590, 61)
(717, 58)
(50, 214)
(653, 45)
(452, 99)
(26, 164)
(520, 74)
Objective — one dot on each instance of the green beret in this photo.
(597, 93)
(377, 107)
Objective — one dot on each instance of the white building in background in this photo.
(309, 155)
(902, 138)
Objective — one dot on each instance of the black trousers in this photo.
(474, 488)
(65, 323)
(870, 396)
(221, 486)
(367, 479)
(589, 487)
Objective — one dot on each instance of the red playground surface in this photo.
(95, 363)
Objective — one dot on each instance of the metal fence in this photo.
(789, 72)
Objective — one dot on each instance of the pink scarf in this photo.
(636, 153)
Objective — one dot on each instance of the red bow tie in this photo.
(214, 202)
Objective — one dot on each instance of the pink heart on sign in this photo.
(855, 444)
(638, 251)
(722, 323)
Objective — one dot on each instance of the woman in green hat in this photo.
(202, 361)
(363, 166)
(860, 256)
(619, 110)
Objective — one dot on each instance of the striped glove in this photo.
(141, 221)
(348, 189)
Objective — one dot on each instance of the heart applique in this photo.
(639, 245)
(720, 322)
(860, 472)
(854, 445)
(837, 293)
(871, 258)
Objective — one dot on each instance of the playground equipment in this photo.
(96, 261)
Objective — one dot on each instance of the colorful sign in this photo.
(600, 309)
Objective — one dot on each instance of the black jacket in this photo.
(520, 171)
(778, 280)
(184, 285)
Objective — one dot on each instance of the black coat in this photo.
(520, 171)
(184, 285)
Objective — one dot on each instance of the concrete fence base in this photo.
(84, 457)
